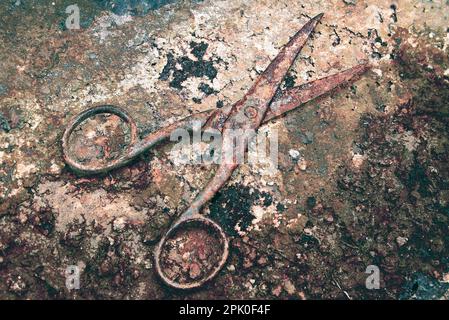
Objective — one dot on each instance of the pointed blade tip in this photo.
(319, 16)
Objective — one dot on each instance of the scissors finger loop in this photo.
(90, 113)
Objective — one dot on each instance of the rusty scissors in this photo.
(261, 104)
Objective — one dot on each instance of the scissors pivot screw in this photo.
(251, 112)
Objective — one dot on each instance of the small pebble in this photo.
(401, 241)
(357, 160)
(276, 291)
(378, 72)
(262, 261)
(289, 287)
(194, 271)
(302, 165)
(55, 169)
(293, 153)
(446, 73)
(446, 277)
(119, 223)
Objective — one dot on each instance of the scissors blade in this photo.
(258, 98)
(297, 96)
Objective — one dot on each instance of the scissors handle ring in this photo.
(192, 221)
(89, 113)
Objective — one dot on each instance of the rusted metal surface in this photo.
(297, 96)
(255, 108)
